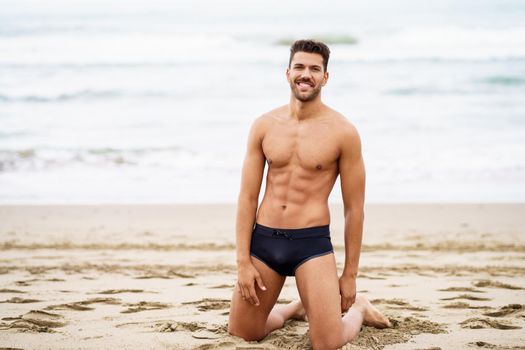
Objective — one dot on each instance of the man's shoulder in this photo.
(269, 117)
(343, 124)
(276, 112)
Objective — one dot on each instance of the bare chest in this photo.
(311, 147)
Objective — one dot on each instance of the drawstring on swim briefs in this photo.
(281, 233)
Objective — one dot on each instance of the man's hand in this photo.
(347, 291)
(246, 277)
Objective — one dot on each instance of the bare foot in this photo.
(371, 316)
(299, 311)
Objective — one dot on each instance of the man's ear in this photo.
(287, 73)
(326, 76)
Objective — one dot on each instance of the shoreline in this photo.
(160, 276)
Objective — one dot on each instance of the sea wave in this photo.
(505, 80)
(437, 91)
(329, 39)
(63, 97)
(439, 42)
(476, 87)
(86, 94)
(37, 159)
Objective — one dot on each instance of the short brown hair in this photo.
(310, 46)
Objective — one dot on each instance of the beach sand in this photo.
(448, 276)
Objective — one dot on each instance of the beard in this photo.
(302, 96)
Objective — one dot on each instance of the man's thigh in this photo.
(246, 319)
(318, 287)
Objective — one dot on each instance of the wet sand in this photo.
(448, 276)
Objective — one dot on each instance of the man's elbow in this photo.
(246, 198)
(355, 213)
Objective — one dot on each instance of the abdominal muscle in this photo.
(286, 207)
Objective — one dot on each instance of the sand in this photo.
(448, 276)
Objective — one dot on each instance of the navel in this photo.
(283, 206)
(319, 167)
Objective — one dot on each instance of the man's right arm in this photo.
(251, 179)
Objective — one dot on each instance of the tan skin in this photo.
(305, 145)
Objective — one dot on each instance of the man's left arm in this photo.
(352, 177)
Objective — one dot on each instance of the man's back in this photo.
(302, 159)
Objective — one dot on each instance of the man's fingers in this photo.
(349, 302)
(260, 282)
(241, 290)
(244, 292)
(345, 304)
(253, 296)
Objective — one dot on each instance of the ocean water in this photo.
(151, 101)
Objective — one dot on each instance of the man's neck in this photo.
(304, 110)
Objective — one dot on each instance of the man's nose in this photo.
(306, 73)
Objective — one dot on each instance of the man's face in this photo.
(306, 75)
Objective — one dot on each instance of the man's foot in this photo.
(299, 311)
(371, 316)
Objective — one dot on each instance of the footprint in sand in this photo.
(225, 286)
(389, 301)
(83, 305)
(205, 334)
(482, 344)
(69, 306)
(35, 321)
(507, 310)
(118, 291)
(495, 284)
(398, 304)
(467, 297)
(229, 345)
(198, 329)
(362, 275)
(463, 305)
(4, 290)
(169, 275)
(17, 300)
(25, 283)
(402, 330)
(145, 306)
(462, 289)
(208, 304)
(479, 323)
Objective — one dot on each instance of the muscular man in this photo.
(306, 145)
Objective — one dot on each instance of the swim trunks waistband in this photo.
(293, 233)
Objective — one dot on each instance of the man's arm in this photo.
(251, 179)
(352, 177)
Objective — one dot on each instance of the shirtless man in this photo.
(306, 145)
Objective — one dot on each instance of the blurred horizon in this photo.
(151, 102)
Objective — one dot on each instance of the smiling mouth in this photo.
(304, 84)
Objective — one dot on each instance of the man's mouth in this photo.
(304, 84)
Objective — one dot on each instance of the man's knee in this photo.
(327, 342)
(245, 333)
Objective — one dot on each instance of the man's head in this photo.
(310, 46)
(307, 69)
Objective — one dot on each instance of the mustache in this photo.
(308, 81)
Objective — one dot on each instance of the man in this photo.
(306, 145)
